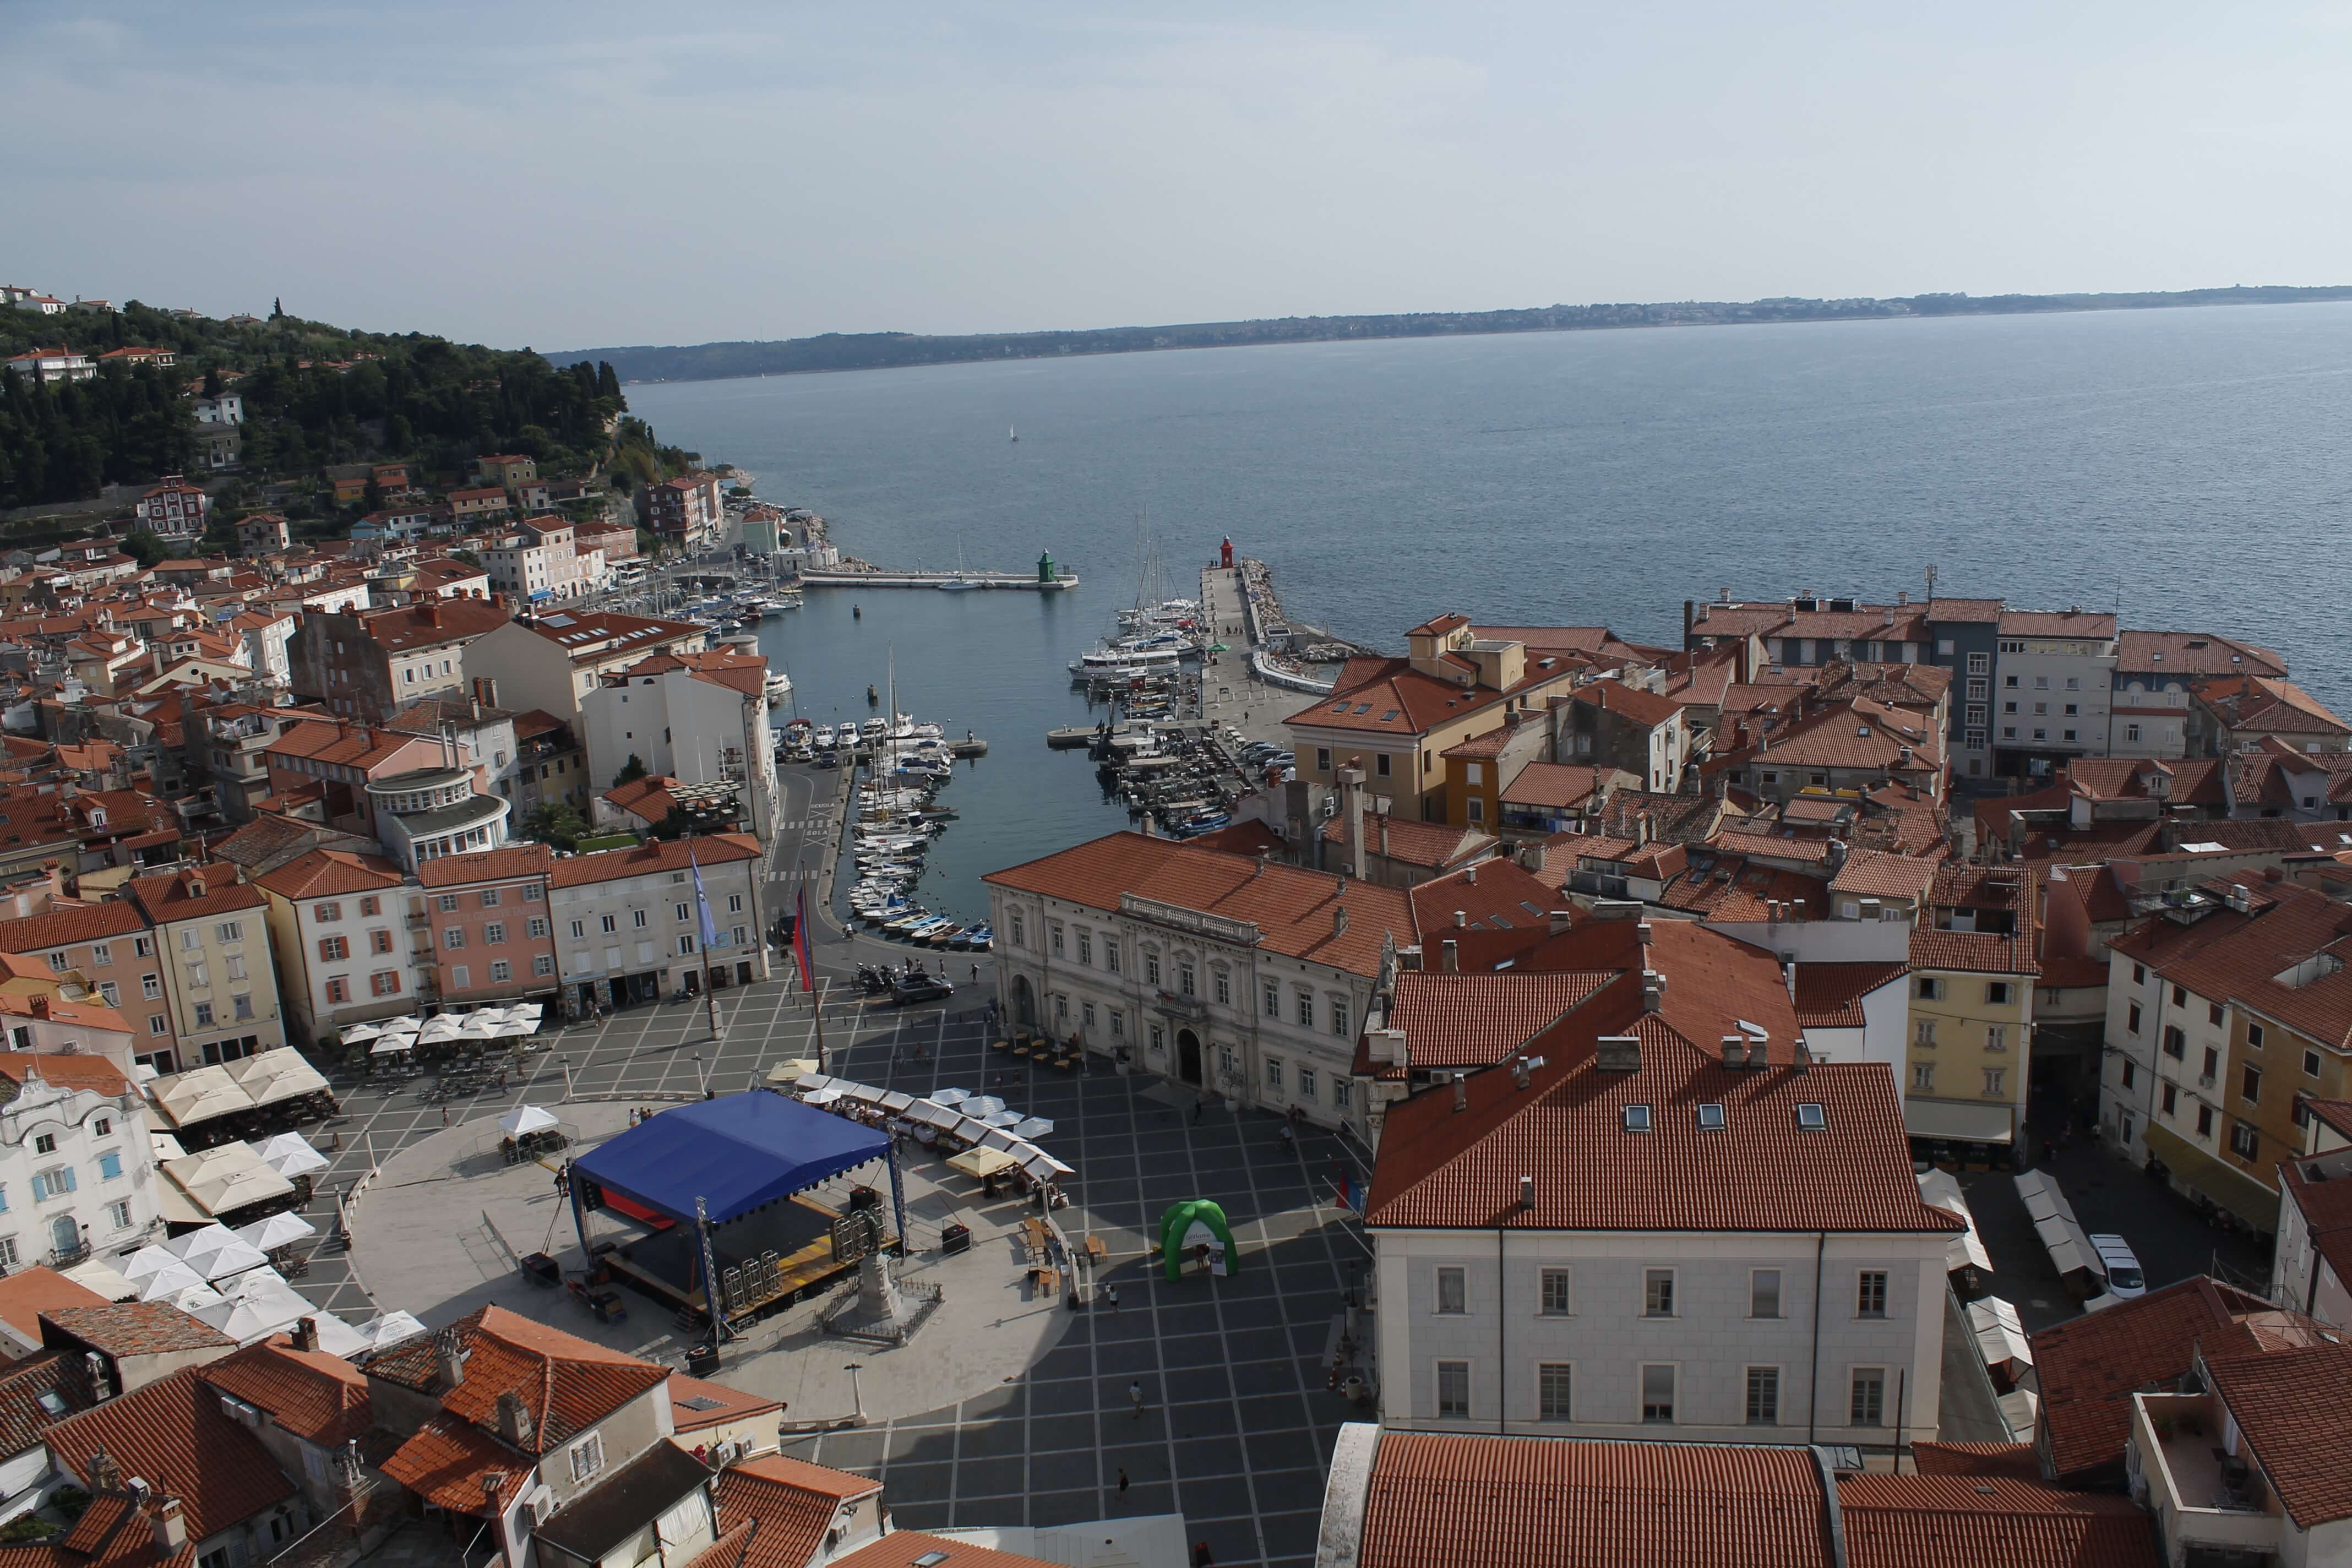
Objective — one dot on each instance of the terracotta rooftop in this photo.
(486, 865)
(138, 1328)
(324, 873)
(2089, 1367)
(174, 1435)
(1988, 1522)
(447, 1462)
(196, 892)
(793, 1502)
(1410, 841)
(902, 1547)
(695, 1404)
(1294, 910)
(1474, 1021)
(318, 1397)
(661, 855)
(567, 1384)
(2295, 1406)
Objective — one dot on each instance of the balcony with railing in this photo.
(2203, 1496)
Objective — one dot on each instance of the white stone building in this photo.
(626, 926)
(533, 563)
(698, 718)
(2054, 683)
(1656, 1216)
(77, 1177)
(1219, 970)
(551, 662)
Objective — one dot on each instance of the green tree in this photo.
(555, 822)
(145, 546)
(631, 772)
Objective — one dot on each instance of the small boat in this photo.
(943, 936)
(823, 741)
(858, 615)
(1011, 434)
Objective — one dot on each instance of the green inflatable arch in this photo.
(1176, 1233)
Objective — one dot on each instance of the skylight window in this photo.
(1363, 707)
(1637, 1118)
(1813, 1119)
(1711, 1117)
(1339, 708)
(1388, 717)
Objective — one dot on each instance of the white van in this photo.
(2121, 1265)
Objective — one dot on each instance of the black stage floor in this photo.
(783, 1228)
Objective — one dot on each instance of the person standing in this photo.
(1122, 1480)
(1110, 1294)
(1135, 1398)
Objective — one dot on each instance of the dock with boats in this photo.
(1049, 578)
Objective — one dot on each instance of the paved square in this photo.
(1237, 1423)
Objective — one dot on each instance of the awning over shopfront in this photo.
(1958, 1122)
(225, 1180)
(2194, 1169)
(1939, 1189)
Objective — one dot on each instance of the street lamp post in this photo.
(564, 1064)
(701, 1074)
(856, 1398)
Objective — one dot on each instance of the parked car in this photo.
(2120, 1264)
(920, 988)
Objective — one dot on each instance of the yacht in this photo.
(1118, 662)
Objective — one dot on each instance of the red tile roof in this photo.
(566, 1383)
(1441, 1168)
(2090, 1366)
(196, 892)
(174, 1435)
(2017, 1461)
(2227, 955)
(644, 860)
(1498, 895)
(1294, 910)
(323, 873)
(794, 1503)
(320, 1398)
(1983, 1521)
(1829, 995)
(1436, 1501)
(23, 1417)
(720, 1404)
(2294, 1407)
(80, 1071)
(1643, 708)
(1875, 873)
(1974, 953)
(1410, 841)
(1557, 785)
(515, 861)
(1477, 1020)
(69, 927)
(453, 1466)
(138, 1328)
(2192, 653)
(1399, 700)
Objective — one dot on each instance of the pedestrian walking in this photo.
(1200, 1558)
(1134, 1398)
(1198, 1102)
(975, 974)
(445, 1116)
(1288, 1137)
(1122, 1480)
(1110, 1294)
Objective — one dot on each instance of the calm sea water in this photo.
(2191, 468)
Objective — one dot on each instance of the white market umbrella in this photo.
(809, 1081)
(233, 1259)
(393, 1045)
(526, 1119)
(196, 1243)
(389, 1329)
(439, 1030)
(360, 1033)
(950, 1096)
(821, 1097)
(1002, 1118)
(166, 1283)
(407, 1025)
(147, 1260)
(482, 1026)
(982, 1105)
(528, 1011)
(247, 1321)
(336, 1337)
(290, 1154)
(1032, 1127)
(196, 1295)
(279, 1230)
(513, 1028)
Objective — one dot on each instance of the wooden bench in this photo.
(1000, 1045)
(1049, 1283)
(1095, 1249)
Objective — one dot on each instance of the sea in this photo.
(2184, 468)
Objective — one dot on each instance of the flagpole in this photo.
(704, 930)
(804, 960)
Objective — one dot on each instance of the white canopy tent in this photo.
(389, 1329)
(525, 1119)
(1937, 1189)
(291, 1155)
(278, 1230)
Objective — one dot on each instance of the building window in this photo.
(448, 903)
(1553, 1299)
(1870, 1294)
(328, 911)
(2170, 1099)
(2205, 1121)
(385, 983)
(1452, 1291)
(117, 1214)
(2176, 1044)
(1996, 1036)
(1658, 1293)
(1453, 1390)
(332, 948)
(1923, 1078)
(1306, 1010)
(2311, 1064)
(587, 1456)
(1867, 1406)
(1763, 1293)
(1054, 939)
(544, 963)
(2131, 1018)
(151, 986)
(1019, 938)
(1923, 1031)
(1272, 1000)
(1658, 1395)
(494, 932)
(1273, 1073)
(203, 1014)
(1763, 1396)
(1306, 1083)
(637, 919)
(1994, 1080)
(2250, 1085)
(1111, 955)
(501, 971)
(683, 912)
(1086, 947)
(1997, 993)
(44, 1143)
(539, 926)
(1151, 969)
(2243, 1143)
(1554, 1383)
(1339, 1017)
(1187, 978)
(1342, 1091)
(1928, 989)
(2131, 1072)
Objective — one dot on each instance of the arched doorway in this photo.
(1188, 1055)
(1024, 1002)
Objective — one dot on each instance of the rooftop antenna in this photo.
(1931, 581)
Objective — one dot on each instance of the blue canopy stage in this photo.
(728, 1171)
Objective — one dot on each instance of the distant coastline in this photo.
(891, 351)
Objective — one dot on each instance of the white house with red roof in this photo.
(628, 927)
(337, 922)
(697, 717)
(1660, 1218)
(74, 1155)
(60, 364)
(175, 509)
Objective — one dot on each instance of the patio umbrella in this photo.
(482, 1026)
(247, 1321)
(360, 1033)
(1032, 1127)
(982, 1105)
(950, 1096)
(513, 1028)
(532, 1011)
(166, 1283)
(393, 1045)
(440, 1029)
(196, 1243)
(290, 1154)
(389, 1329)
(233, 1259)
(402, 1026)
(149, 1261)
(821, 1097)
(810, 1080)
(1002, 1118)
(524, 1120)
(196, 1295)
(279, 1230)
(336, 1337)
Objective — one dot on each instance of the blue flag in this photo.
(701, 901)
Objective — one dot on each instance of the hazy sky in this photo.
(584, 173)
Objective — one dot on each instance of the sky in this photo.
(587, 173)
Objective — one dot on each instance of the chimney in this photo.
(1449, 956)
(1804, 1055)
(1527, 1192)
(1471, 875)
(164, 1522)
(1339, 920)
(1351, 814)
(1735, 1049)
(1257, 867)
(1618, 1053)
(305, 1336)
(1461, 919)
(514, 1420)
(103, 1472)
(1654, 990)
(1756, 1048)
(1642, 932)
(1384, 836)
(452, 1359)
(1562, 920)
(1460, 1093)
